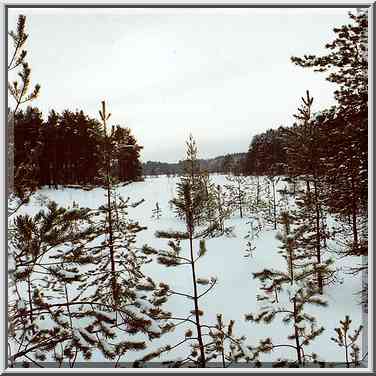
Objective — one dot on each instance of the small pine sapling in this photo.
(116, 281)
(252, 234)
(238, 193)
(272, 199)
(188, 204)
(303, 325)
(348, 342)
(225, 345)
(156, 212)
(210, 214)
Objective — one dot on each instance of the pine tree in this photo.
(46, 254)
(305, 160)
(22, 182)
(66, 149)
(188, 205)
(117, 261)
(156, 212)
(238, 194)
(271, 198)
(304, 327)
(346, 62)
(318, 269)
(222, 210)
(347, 341)
(64, 315)
(127, 153)
(211, 212)
(225, 345)
(299, 249)
(19, 90)
(301, 288)
(346, 126)
(255, 223)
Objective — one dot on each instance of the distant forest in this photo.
(222, 164)
(68, 148)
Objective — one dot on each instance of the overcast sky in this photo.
(224, 75)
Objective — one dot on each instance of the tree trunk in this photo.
(347, 351)
(318, 238)
(274, 206)
(354, 216)
(298, 346)
(109, 211)
(195, 301)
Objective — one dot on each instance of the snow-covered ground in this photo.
(235, 293)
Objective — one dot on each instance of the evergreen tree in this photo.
(46, 256)
(215, 211)
(346, 125)
(271, 199)
(304, 327)
(22, 180)
(188, 205)
(19, 90)
(301, 288)
(347, 341)
(299, 249)
(157, 212)
(346, 63)
(192, 175)
(210, 214)
(305, 159)
(127, 154)
(238, 193)
(117, 280)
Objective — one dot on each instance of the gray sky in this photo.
(222, 74)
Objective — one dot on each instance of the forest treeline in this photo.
(222, 164)
(68, 148)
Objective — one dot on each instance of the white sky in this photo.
(222, 74)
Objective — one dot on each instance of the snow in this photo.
(38, 353)
(107, 348)
(44, 324)
(58, 352)
(153, 327)
(21, 305)
(293, 289)
(144, 304)
(235, 292)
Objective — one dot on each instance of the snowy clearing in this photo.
(236, 290)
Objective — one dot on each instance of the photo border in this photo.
(366, 342)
